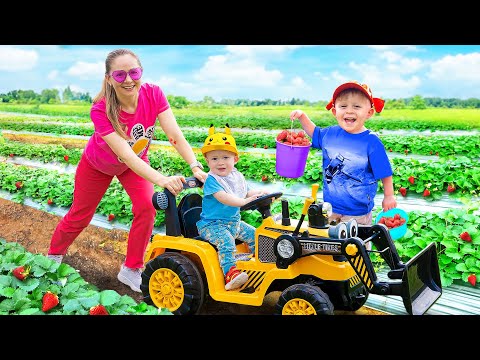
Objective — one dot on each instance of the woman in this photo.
(124, 114)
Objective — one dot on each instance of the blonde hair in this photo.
(112, 104)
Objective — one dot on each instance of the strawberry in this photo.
(466, 236)
(282, 135)
(21, 272)
(264, 178)
(19, 184)
(111, 217)
(11, 155)
(65, 157)
(411, 180)
(472, 279)
(426, 193)
(98, 310)
(390, 150)
(49, 301)
(403, 191)
(254, 145)
(50, 201)
(451, 188)
(265, 146)
(406, 152)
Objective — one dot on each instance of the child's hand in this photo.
(296, 114)
(389, 202)
(250, 199)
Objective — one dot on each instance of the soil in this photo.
(98, 253)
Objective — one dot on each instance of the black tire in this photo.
(173, 281)
(355, 303)
(303, 299)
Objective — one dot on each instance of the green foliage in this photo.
(76, 296)
(457, 258)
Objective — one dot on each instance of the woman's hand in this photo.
(200, 174)
(174, 184)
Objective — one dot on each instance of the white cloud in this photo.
(87, 71)
(226, 70)
(456, 68)
(14, 59)
(52, 75)
(252, 50)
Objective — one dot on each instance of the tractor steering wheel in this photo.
(261, 202)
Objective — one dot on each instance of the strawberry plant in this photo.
(457, 258)
(56, 289)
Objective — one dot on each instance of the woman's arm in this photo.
(175, 136)
(121, 148)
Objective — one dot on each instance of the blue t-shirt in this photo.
(215, 209)
(352, 166)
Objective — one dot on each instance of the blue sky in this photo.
(310, 72)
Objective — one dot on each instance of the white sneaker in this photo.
(56, 258)
(235, 278)
(130, 277)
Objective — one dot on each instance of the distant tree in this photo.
(67, 95)
(418, 103)
(395, 104)
(50, 96)
(178, 102)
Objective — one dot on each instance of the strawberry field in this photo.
(435, 156)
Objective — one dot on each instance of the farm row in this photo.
(450, 167)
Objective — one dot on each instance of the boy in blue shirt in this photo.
(354, 158)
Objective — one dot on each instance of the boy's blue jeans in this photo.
(222, 234)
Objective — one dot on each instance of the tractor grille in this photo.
(265, 249)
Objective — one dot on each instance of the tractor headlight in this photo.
(285, 249)
(327, 209)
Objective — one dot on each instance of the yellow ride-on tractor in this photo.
(316, 266)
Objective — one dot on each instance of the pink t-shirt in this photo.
(140, 127)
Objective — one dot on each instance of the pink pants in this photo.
(89, 188)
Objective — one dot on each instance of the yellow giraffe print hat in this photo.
(219, 141)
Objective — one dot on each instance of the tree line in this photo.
(53, 96)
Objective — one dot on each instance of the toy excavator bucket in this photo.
(421, 285)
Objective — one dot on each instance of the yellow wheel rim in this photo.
(298, 307)
(166, 289)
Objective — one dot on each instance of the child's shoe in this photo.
(235, 278)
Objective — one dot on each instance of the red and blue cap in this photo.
(377, 103)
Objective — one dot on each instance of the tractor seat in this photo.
(189, 210)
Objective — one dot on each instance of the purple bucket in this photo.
(291, 160)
